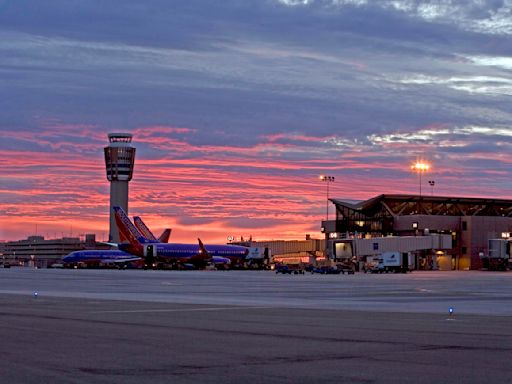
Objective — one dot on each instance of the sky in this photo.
(237, 106)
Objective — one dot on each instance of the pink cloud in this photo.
(214, 186)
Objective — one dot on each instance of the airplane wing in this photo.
(115, 245)
(203, 254)
(115, 261)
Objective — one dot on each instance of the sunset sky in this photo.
(237, 107)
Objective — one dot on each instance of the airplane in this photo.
(109, 256)
(96, 256)
(196, 254)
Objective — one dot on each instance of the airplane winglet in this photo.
(202, 249)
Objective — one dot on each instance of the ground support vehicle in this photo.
(289, 269)
(257, 258)
(392, 262)
(498, 258)
(326, 270)
(349, 268)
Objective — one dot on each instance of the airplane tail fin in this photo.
(127, 230)
(164, 237)
(203, 253)
(143, 228)
(122, 236)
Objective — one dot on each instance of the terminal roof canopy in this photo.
(401, 205)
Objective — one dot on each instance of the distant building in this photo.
(471, 222)
(36, 251)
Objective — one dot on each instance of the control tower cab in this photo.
(119, 162)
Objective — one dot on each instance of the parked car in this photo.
(326, 270)
(348, 268)
(289, 269)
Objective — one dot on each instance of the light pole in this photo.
(327, 179)
(432, 183)
(420, 167)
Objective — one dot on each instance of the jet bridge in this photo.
(360, 249)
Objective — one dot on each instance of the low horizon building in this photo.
(36, 251)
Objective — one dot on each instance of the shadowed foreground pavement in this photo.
(89, 340)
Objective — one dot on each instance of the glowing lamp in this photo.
(421, 167)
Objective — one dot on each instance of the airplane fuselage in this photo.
(99, 256)
(193, 251)
(190, 250)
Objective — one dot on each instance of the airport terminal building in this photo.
(470, 222)
(36, 251)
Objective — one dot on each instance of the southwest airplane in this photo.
(194, 254)
(108, 256)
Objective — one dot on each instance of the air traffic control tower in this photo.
(119, 161)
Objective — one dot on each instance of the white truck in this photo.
(258, 258)
(499, 256)
(392, 262)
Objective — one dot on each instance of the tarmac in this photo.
(135, 326)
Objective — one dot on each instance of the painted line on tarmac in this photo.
(181, 309)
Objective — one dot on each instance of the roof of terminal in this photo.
(415, 204)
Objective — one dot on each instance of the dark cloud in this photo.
(332, 64)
